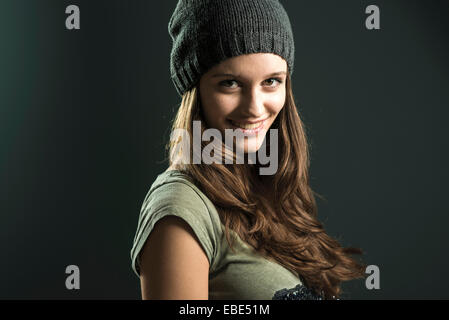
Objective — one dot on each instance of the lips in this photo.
(248, 128)
(247, 124)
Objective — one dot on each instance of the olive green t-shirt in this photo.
(243, 274)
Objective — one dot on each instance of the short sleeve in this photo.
(177, 199)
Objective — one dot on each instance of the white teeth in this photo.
(247, 126)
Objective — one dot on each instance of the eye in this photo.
(227, 81)
(279, 80)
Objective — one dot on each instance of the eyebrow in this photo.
(232, 75)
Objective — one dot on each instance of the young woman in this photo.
(220, 230)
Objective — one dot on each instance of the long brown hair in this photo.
(277, 214)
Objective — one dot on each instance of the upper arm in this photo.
(173, 263)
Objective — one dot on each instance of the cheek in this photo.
(221, 107)
(276, 102)
(208, 106)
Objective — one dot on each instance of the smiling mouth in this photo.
(248, 127)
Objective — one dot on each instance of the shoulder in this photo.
(175, 189)
(174, 194)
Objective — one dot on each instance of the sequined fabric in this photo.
(300, 292)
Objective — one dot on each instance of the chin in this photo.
(252, 145)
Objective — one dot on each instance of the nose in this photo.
(253, 104)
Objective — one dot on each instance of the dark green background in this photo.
(85, 114)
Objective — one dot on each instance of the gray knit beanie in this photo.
(206, 32)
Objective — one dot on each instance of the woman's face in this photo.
(244, 93)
